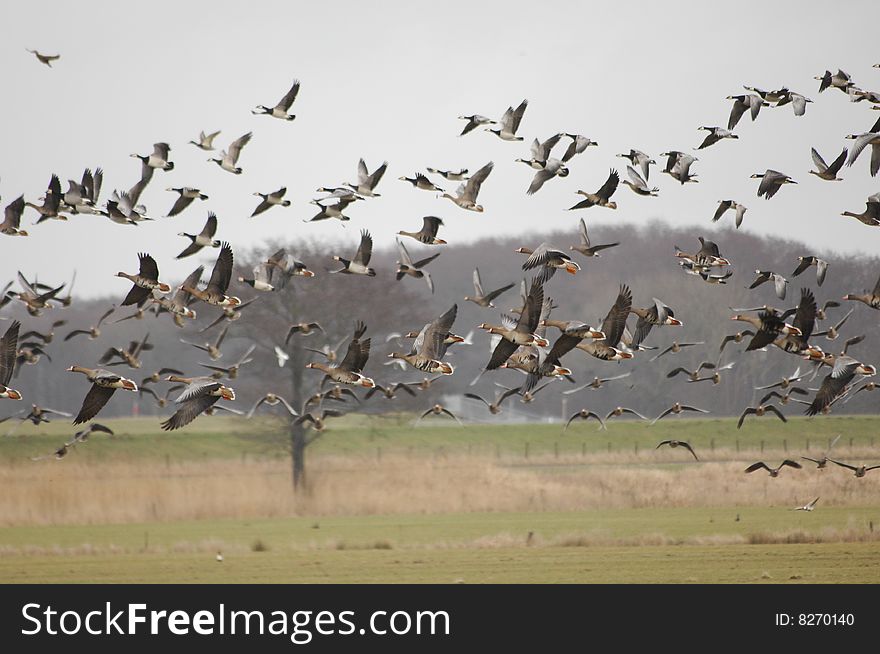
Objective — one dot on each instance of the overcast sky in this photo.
(387, 81)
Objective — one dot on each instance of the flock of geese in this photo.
(527, 340)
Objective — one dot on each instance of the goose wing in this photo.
(365, 249)
(289, 97)
(222, 273)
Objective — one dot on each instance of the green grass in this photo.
(231, 438)
(473, 547)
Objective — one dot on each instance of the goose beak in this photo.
(597, 334)
(366, 382)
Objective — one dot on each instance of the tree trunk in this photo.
(298, 455)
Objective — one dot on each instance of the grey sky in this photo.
(386, 81)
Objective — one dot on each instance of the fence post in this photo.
(497, 451)
(609, 448)
(762, 446)
(584, 449)
(636, 448)
(850, 442)
(737, 445)
(527, 450)
(808, 445)
(555, 449)
(785, 445)
(712, 444)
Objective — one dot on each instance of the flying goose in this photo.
(715, 134)
(693, 375)
(809, 506)
(51, 202)
(638, 185)
(779, 282)
(428, 233)
(187, 195)
(390, 392)
(707, 256)
(596, 384)
(430, 345)
(553, 168)
(367, 181)
(519, 332)
(673, 444)
(47, 337)
(44, 59)
(548, 257)
(861, 142)
(783, 398)
(578, 145)
(272, 399)
(177, 305)
(602, 197)
(34, 300)
(270, 200)
(336, 394)
(349, 370)
(541, 152)
(658, 314)
(724, 205)
(585, 414)
(769, 326)
(232, 371)
(146, 281)
(804, 321)
(332, 209)
(823, 170)
(613, 327)
(11, 225)
(759, 411)
(618, 411)
(206, 141)
(280, 110)
(215, 292)
(871, 215)
(774, 472)
(494, 406)
(303, 328)
(212, 349)
(104, 384)
(228, 158)
(678, 166)
(481, 298)
(810, 260)
(419, 181)
(797, 101)
(834, 385)
(871, 299)
(200, 394)
(205, 238)
(8, 355)
(858, 471)
(677, 408)
(675, 348)
(585, 248)
(822, 463)
(406, 266)
(475, 121)
(92, 332)
(318, 420)
(640, 159)
(439, 409)
(128, 356)
(742, 103)
(839, 80)
(510, 123)
(466, 194)
(771, 182)
(158, 158)
(289, 266)
(834, 331)
(359, 265)
(573, 333)
(736, 338)
(262, 279)
(459, 175)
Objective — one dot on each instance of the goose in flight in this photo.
(858, 471)
(474, 121)
(406, 266)
(823, 170)
(602, 197)
(228, 158)
(725, 205)
(481, 298)
(771, 182)
(861, 142)
(359, 265)
(780, 283)
(678, 408)
(368, 181)
(809, 506)
(44, 59)
(839, 80)
(494, 406)
(205, 238)
(92, 332)
(215, 292)
(515, 333)
(187, 195)
(146, 281)
(715, 134)
(439, 409)
(272, 399)
(552, 168)
(810, 260)
(8, 355)
(466, 194)
(596, 384)
(510, 123)
(212, 349)
(658, 314)
(586, 248)
(774, 472)
(641, 160)
(350, 369)
(200, 395)
(578, 145)
(158, 158)
(428, 233)
(280, 110)
(419, 181)
(759, 411)
(674, 443)
(871, 299)
(541, 152)
(11, 225)
(871, 215)
(638, 185)
(104, 384)
(206, 141)
(743, 103)
(822, 463)
(678, 166)
(459, 175)
(585, 414)
(270, 200)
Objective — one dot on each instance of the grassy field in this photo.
(387, 501)
(632, 545)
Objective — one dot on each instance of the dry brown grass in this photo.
(72, 492)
